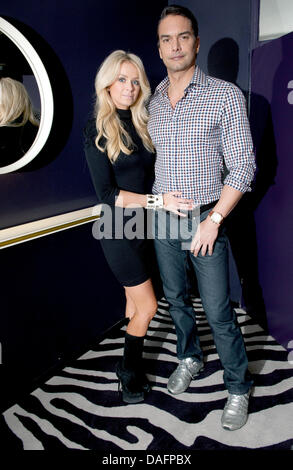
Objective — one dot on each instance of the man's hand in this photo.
(205, 237)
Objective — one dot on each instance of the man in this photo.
(196, 123)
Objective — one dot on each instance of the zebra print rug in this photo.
(80, 407)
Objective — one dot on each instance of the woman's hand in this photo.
(174, 203)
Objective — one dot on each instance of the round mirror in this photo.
(36, 90)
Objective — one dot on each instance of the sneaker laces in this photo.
(183, 366)
(236, 403)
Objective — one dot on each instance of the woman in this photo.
(120, 157)
(18, 125)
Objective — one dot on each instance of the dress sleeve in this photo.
(100, 168)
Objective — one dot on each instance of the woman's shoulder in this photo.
(90, 130)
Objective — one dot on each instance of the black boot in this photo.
(130, 371)
(132, 391)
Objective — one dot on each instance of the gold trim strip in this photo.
(50, 230)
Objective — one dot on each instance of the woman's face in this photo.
(125, 90)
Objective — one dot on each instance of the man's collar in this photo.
(199, 78)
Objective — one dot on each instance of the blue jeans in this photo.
(171, 246)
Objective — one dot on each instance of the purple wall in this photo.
(272, 70)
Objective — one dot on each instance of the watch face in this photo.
(216, 217)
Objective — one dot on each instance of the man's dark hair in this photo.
(181, 11)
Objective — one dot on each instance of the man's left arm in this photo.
(239, 158)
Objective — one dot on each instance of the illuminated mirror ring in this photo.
(45, 90)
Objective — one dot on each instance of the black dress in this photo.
(131, 260)
(15, 142)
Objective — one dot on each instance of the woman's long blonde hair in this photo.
(15, 103)
(108, 122)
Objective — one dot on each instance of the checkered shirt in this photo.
(208, 126)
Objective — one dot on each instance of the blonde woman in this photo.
(18, 125)
(120, 157)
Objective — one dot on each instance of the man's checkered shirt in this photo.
(208, 125)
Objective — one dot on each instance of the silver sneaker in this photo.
(180, 380)
(235, 412)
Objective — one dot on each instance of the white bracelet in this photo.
(155, 201)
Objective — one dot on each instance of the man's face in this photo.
(177, 44)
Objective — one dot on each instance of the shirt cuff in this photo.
(241, 186)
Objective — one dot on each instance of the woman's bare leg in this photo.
(130, 306)
(145, 302)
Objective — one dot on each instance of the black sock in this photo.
(133, 348)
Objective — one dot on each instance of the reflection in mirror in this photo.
(26, 100)
(19, 122)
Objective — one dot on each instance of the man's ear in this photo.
(197, 44)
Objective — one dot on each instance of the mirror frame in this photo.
(45, 90)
